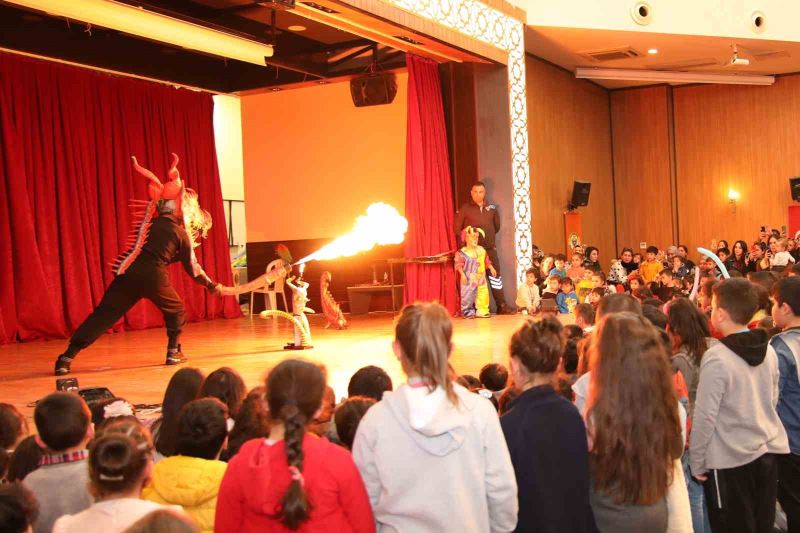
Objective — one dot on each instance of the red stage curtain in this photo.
(66, 137)
(429, 195)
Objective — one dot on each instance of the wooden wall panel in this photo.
(569, 132)
(639, 119)
(743, 137)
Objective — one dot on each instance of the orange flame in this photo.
(380, 226)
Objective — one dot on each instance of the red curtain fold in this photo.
(66, 137)
(429, 195)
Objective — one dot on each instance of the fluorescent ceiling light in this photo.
(154, 26)
(661, 76)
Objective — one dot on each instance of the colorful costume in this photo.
(472, 262)
(166, 232)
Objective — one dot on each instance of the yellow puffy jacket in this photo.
(190, 482)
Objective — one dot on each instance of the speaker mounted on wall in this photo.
(580, 195)
(375, 89)
(794, 185)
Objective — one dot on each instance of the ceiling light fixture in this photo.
(660, 76)
(653, 51)
(275, 89)
(140, 22)
(297, 28)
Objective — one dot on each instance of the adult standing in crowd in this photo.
(480, 214)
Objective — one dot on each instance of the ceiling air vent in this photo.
(612, 55)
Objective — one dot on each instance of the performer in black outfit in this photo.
(160, 239)
(479, 214)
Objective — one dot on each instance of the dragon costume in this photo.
(166, 231)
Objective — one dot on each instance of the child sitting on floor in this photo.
(528, 294)
(567, 299)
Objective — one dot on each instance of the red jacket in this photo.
(258, 476)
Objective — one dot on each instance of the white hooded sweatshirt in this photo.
(431, 466)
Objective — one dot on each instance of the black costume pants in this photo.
(496, 285)
(742, 499)
(144, 279)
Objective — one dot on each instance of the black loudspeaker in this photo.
(794, 184)
(375, 89)
(580, 194)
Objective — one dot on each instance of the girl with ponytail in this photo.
(120, 464)
(293, 480)
(432, 454)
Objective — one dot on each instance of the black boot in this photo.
(62, 365)
(175, 356)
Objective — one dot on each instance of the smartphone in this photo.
(783, 231)
(763, 229)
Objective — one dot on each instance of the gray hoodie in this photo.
(430, 466)
(735, 421)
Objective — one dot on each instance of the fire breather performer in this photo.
(167, 230)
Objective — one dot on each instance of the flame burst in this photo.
(381, 225)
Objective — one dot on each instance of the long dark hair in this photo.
(739, 263)
(294, 394)
(690, 325)
(632, 411)
(183, 387)
(252, 422)
(226, 385)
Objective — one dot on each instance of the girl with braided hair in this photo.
(293, 480)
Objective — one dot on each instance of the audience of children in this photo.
(431, 456)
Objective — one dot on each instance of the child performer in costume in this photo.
(299, 288)
(167, 232)
(472, 262)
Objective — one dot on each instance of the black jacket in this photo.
(167, 243)
(487, 218)
(546, 437)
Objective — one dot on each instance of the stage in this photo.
(131, 363)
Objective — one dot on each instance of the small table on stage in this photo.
(423, 260)
(360, 296)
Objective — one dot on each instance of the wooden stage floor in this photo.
(131, 363)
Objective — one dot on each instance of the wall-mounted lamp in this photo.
(733, 197)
